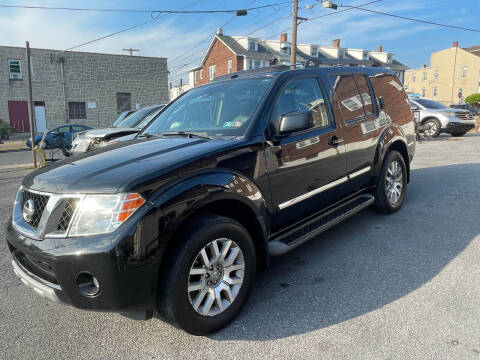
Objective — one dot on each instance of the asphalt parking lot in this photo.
(405, 286)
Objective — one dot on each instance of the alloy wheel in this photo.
(216, 277)
(431, 128)
(394, 182)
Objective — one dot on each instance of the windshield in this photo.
(148, 118)
(121, 117)
(430, 104)
(134, 119)
(222, 109)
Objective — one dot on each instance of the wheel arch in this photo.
(401, 147)
(214, 193)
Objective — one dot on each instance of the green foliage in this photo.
(4, 129)
(473, 99)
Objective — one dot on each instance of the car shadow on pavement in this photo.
(366, 262)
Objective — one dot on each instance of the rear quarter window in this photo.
(395, 99)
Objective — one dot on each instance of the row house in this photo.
(228, 54)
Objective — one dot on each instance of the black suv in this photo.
(249, 166)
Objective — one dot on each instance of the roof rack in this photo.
(264, 70)
(338, 62)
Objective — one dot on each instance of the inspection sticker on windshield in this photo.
(232, 124)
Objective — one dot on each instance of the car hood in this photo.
(137, 165)
(103, 133)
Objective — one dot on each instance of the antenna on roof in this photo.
(130, 51)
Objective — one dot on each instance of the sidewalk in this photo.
(13, 145)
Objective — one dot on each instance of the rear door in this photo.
(305, 168)
(355, 106)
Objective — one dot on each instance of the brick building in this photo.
(228, 54)
(77, 87)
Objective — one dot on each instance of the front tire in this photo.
(432, 128)
(208, 277)
(391, 185)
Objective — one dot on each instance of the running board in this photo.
(296, 237)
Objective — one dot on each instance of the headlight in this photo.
(446, 113)
(100, 214)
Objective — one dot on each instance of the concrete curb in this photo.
(14, 150)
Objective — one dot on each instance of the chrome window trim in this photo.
(323, 188)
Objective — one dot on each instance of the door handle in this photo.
(334, 141)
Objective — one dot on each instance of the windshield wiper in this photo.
(188, 134)
(146, 135)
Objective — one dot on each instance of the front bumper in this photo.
(458, 127)
(51, 268)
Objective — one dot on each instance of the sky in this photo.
(183, 38)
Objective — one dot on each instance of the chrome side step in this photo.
(296, 237)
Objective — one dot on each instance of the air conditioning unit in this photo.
(16, 76)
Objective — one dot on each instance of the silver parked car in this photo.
(130, 125)
(437, 118)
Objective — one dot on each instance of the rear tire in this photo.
(391, 184)
(200, 291)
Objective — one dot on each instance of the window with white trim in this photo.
(435, 75)
(229, 66)
(212, 72)
(201, 74)
(252, 46)
(435, 91)
(15, 69)
(424, 75)
(314, 51)
(464, 71)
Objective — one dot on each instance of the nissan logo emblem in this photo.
(28, 210)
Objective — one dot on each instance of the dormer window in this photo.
(314, 51)
(365, 56)
(252, 46)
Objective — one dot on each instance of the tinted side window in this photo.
(348, 97)
(364, 91)
(300, 95)
(76, 128)
(390, 88)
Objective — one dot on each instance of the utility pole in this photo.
(293, 49)
(30, 104)
(130, 51)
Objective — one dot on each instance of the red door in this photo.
(18, 113)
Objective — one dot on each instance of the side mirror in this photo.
(296, 121)
(414, 108)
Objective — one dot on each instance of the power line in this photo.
(280, 32)
(244, 36)
(144, 11)
(203, 41)
(416, 20)
(153, 18)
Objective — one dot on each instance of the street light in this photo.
(329, 5)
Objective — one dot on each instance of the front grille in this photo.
(39, 201)
(67, 213)
(464, 116)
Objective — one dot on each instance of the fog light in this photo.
(88, 284)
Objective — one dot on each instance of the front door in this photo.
(306, 167)
(40, 117)
(18, 114)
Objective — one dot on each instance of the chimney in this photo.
(283, 37)
(336, 43)
(379, 48)
(455, 44)
(424, 66)
(181, 82)
(219, 31)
